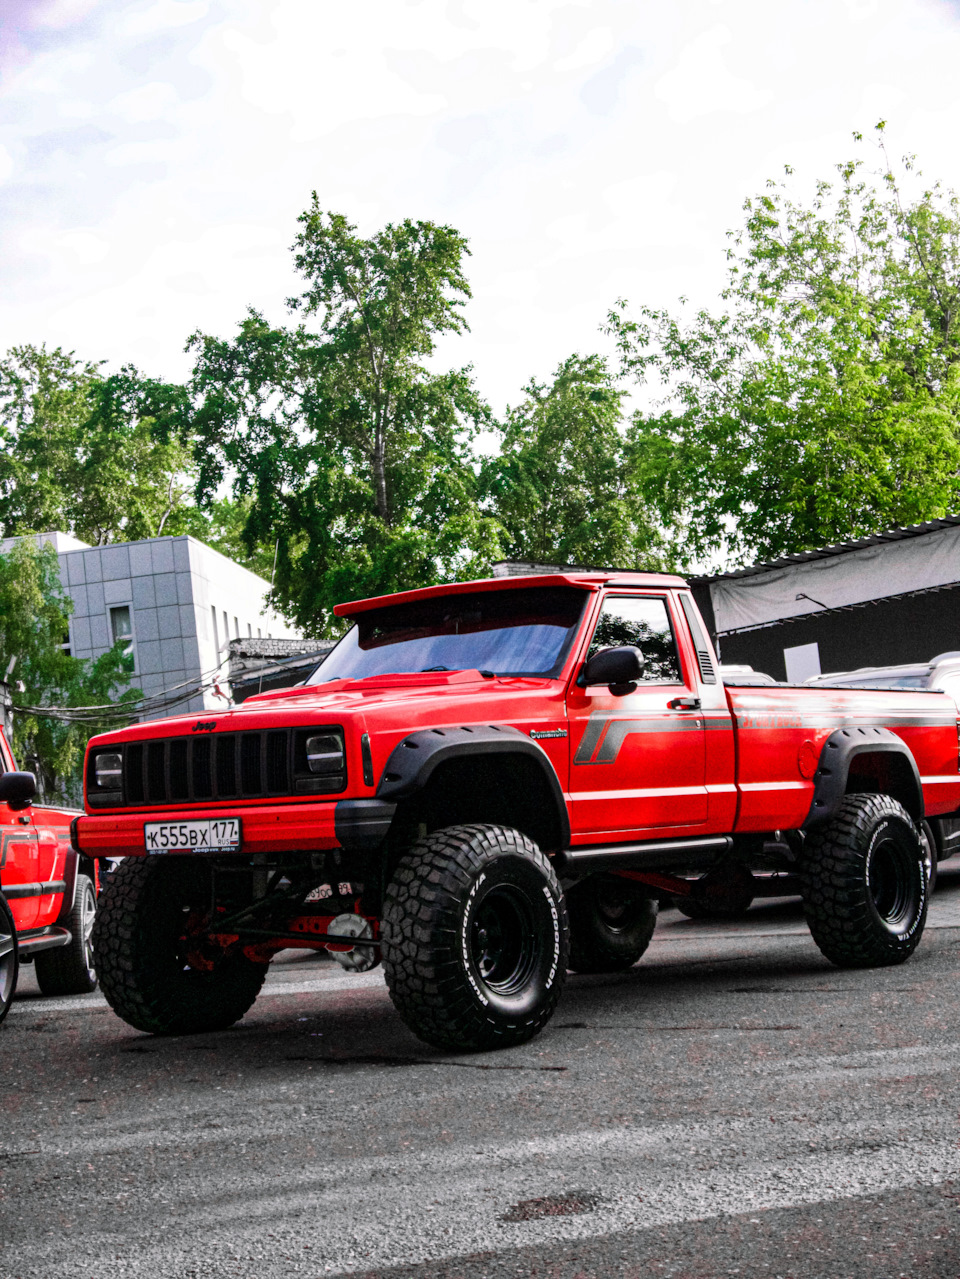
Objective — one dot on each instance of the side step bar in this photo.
(663, 855)
(47, 939)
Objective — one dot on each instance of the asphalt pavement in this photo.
(733, 1105)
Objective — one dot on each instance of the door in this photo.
(637, 767)
(19, 856)
(19, 868)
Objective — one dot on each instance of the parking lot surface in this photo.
(733, 1105)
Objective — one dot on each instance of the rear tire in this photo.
(9, 957)
(143, 956)
(928, 845)
(611, 923)
(725, 893)
(864, 885)
(69, 970)
(475, 938)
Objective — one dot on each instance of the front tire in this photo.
(475, 938)
(70, 970)
(152, 968)
(864, 884)
(611, 923)
(9, 957)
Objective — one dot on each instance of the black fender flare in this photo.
(413, 761)
(839, 750)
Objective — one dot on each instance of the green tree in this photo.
(105, 458)
(34, 612)
(351, 457)
(823, 401)
(560, 485)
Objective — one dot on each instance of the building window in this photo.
(121, 628)
(216, 633)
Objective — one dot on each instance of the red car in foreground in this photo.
(48, 892)
(488, 783)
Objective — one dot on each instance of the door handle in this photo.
(684, 704)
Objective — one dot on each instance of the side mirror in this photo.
(618, 667)
(17, 790)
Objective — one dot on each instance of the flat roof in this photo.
(898, 534)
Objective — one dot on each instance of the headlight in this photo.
(108, 770)
(324, 754)
(319, 761)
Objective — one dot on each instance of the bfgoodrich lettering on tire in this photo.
(475, 938)
(864, 884)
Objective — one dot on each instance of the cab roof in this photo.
(583, 581)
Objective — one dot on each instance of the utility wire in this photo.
(163, 700)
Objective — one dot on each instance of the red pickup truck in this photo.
(48, 892)
(488, 783)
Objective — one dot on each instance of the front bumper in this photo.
(267, 828)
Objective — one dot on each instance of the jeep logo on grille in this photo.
(204, 726)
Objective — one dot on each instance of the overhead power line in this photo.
(166, 699)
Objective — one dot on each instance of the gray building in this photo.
(176, 604)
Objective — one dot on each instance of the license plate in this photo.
(218, 835)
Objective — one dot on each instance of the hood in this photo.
(444, 697)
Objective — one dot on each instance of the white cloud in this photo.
(700, 83)
(594, 46)
(157, 152)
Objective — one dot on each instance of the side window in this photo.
(121, 628)
(645, 623)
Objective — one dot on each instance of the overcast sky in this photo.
(154, 154)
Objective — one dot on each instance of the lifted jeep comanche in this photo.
(488, 783)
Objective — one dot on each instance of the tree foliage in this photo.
(351, 456)
(105, 458)
(561, 484)
(34, 612)
(822, 402)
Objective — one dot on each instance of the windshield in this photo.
(505, 632)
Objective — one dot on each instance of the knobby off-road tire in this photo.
(928, 847)
(69, 970)
(475, 938)
(864, 885)
(141, 951)
(611, 923)
(9, 957)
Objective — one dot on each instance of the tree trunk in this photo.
(380, 477)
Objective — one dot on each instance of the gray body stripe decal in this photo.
(617, 730)
(843, 721)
